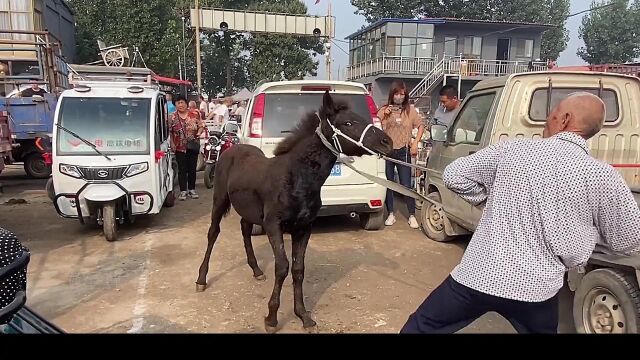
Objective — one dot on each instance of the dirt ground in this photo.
(356, 281)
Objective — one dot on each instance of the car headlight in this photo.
(136, 169)
(70, 170)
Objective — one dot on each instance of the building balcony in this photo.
(452, 66)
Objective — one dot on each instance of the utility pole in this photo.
(328, 59)
(184, 47)
(198, 60)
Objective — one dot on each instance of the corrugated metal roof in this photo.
(440, 21)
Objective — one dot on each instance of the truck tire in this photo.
(607, 301)
(372, 221)
(109, 222)
(35, 166)
(433, 219)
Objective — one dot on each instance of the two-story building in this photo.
(428, 53)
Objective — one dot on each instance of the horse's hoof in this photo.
(260, 277)
(312, 329)
(270, 329)
(200, 287)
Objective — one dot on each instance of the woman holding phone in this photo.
(399, 119)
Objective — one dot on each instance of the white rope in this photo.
(349, 160)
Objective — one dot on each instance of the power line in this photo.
(338, 46)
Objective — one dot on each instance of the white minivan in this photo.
(275, 109)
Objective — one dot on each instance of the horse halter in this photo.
(337, 133)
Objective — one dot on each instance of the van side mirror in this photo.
(439, 133)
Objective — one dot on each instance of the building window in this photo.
(394, 29)
(450, 46)
(393, 46)
(473, 46)
(525, 48)
(408, 47)
(424, 48)
(410, 30)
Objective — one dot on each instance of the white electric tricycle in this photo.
(111, 152)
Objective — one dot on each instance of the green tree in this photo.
(229, 62)
(552, 12)
(151, 25)
(611, 34)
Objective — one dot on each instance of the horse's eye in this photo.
(348, 123)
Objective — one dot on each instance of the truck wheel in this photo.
(35, 166)
(109, 223)
(209, 172)
(432, 219)
(372, 221)
(607, 302)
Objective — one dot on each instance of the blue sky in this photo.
(347, 22)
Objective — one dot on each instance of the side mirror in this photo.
(439, 133)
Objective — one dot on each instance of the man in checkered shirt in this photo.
(548, 202)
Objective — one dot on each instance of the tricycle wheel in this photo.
(607, 301)
(51, 193)
(109, 223)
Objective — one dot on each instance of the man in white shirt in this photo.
(548, 203)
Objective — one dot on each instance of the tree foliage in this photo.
(230, 61)
(611, 34)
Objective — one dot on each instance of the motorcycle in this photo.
(215, 146)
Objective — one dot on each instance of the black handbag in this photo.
(193, 145)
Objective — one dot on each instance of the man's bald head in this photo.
(582, 113)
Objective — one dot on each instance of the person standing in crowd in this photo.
(220, 116)
(204, 107)
(185, 126)
(34, 90)
(449, 103)
(193, 106)
(242, 107)
(547, 204)
(399, 119)
(171, 107)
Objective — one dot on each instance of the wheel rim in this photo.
(602, 313)
(435, 218)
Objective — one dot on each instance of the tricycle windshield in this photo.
(117, 126)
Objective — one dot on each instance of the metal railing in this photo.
(451, 66)
(391, 65)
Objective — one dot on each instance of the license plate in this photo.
(337, 170)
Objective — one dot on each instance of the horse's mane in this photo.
(305, 128)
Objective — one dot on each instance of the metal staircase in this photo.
(433, 78)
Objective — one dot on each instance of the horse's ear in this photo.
(327, 103)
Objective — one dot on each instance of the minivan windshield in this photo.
(114, 125)
(283, 111)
